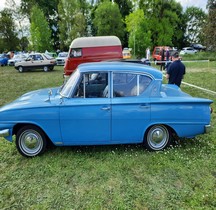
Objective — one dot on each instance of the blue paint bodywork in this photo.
(70, 120)
(3, 60)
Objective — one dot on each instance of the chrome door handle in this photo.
(144, 106)
(105, 108)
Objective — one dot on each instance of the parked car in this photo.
(60, 60)
(187, 50)
(126, 53)
(143, 61)
(3, 59)
(16, 58)
(36, 61)
(51, 54)
(156, 55)
(198, 47)
(105, 103)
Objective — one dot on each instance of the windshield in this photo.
(69, 85)
(62, 54)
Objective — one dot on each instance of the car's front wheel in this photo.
(20, 69)
(45, 68)
(31, 141)
(157, 138)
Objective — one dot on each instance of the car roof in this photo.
(121, 66)
(96, 41)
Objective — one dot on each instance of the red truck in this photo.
(92, 49)
(157, 52)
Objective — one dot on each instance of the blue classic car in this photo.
(3, 59)
(105, 103)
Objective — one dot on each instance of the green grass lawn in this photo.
(109, 177)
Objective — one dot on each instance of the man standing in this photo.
(175, 71)
(148, 53)
(162, 67)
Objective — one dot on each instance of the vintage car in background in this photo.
(60, 60)
(188, 50)
(36, 61)
(126, 53)
(17, 58)
(157, 53)
(3, 59)
(105, 103)
(198, 47)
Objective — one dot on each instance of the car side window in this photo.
(157, 52)
(127, 85)
(144, 82)
(38, 57)
(93, 85)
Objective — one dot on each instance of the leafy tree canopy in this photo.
(108, 20)
(140, 35)
(164, 19)
(72, 22)
(210, 28)
(9, 40)
(195, 19)
(40, 31)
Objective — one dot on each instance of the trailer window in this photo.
(76, 53)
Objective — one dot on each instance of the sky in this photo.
(184, 3)
(197, 3)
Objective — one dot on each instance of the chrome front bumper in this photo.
(4, 133)
(208, 128)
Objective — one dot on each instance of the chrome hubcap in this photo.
(158, 137)
(31, 142)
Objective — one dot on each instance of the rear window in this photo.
(126, 85)
(48, 57)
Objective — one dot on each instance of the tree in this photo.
(125, 7)
(9, 40)
(108, 20)
(21, 23)
(72, 22)
(210, 28)
(164, 19)
(139, 33)
(195, 19)
(40, 31)
(50, 11)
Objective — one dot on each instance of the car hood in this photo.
(38, 98)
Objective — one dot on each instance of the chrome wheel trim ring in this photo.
(157, 137)
(30, 142)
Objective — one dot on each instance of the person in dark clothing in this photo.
(175, 71)
(162, 67)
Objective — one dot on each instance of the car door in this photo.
(38, 61)
(130, 110)
(85, 118)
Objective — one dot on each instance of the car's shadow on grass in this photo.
(115, 149)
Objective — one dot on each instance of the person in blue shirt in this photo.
(175, 71)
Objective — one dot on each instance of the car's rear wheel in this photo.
(20, 69)
(157, 138)
(45, 68)
(31, 141)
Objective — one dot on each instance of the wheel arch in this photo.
(170, 129)
(18, 126)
